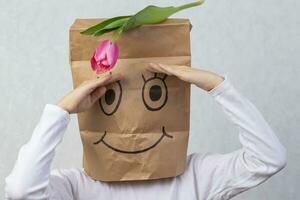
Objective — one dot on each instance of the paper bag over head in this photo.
(139, 129)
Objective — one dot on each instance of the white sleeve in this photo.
(261, 155)
(29, 178)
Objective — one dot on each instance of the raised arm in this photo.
(30, 176)
(260, 157)
(223, 176)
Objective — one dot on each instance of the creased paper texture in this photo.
(139, 129)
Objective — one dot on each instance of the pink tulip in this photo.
(105, 57)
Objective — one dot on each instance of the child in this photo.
(207, 176)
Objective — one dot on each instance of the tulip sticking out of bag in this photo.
(105, 57)
(106, 54)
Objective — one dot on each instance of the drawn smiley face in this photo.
(154, 95)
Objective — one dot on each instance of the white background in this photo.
(257, 43)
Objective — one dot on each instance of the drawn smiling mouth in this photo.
(164, 134)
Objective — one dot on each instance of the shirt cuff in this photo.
(222, 87)
(57, 112)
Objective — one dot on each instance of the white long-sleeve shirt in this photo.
(207, 176)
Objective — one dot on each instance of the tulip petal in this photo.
(100, 70)
(105, 63)
(102, 49)
(93, 63)
(112, 54)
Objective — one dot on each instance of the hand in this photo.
(86, 94)
(204, 79)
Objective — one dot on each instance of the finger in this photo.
(180, 71)
(104, 80)
(166, 69)
(114, 78)
(97, 93)
(172, 69)
(153, 67)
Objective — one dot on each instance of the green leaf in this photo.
(154, 14)
(112, 26)
(109, 24)
(102, 31)
(149, 15)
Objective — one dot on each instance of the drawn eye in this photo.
(155, 92)
(111, 100)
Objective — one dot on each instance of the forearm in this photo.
(30, 176)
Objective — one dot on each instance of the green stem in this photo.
(189, 5)
(114, 36)
(118, 32)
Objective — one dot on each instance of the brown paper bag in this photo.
(139, 129)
